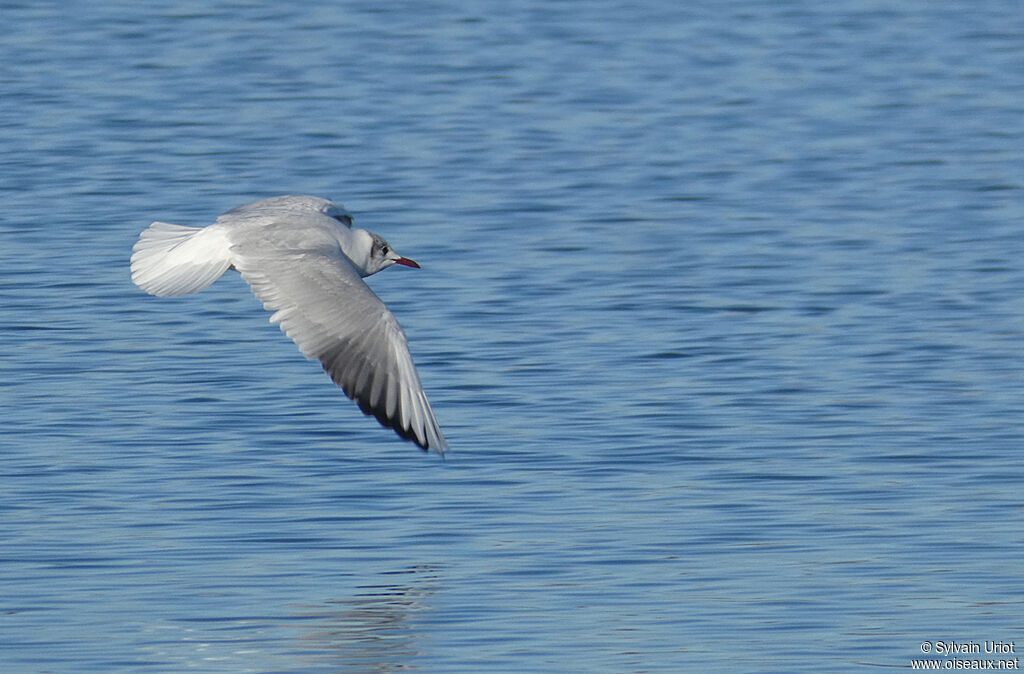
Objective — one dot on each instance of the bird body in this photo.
(305, 262)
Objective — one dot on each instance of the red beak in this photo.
(407, 262)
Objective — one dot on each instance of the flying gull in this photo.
(305, 262)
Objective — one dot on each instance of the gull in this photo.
(304, 261)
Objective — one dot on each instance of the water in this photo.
(721, 311)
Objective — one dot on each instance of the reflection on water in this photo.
(372, 631)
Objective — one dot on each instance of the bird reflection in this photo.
(373, 631)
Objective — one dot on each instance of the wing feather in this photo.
(322, 304)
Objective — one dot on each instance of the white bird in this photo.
(303, 260)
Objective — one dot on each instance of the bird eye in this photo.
(384, 250)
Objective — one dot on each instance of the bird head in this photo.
(378, 255)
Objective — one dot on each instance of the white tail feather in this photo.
(176, 260)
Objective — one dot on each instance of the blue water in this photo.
(721, 310)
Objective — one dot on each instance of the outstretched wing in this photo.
(323, 305)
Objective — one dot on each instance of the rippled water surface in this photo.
(721, 310)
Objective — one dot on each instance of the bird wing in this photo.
(323, 305)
